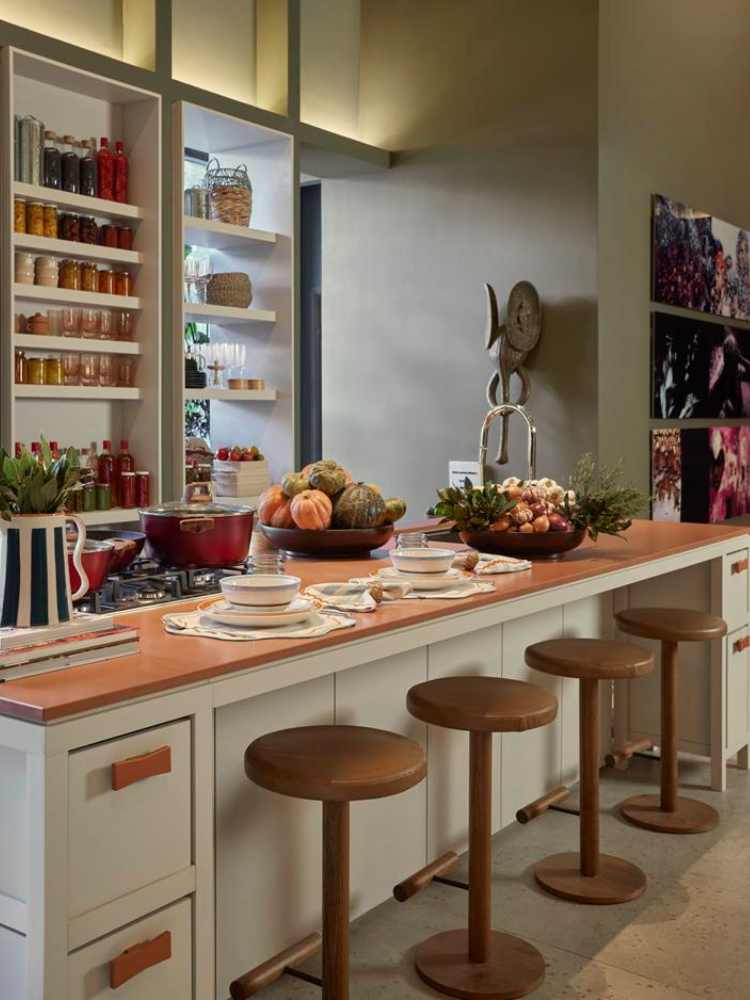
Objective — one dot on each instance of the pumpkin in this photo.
(269, 502)
(395, 508)
(329, 481)
(374, 487)
(282, 516)
(324, 463)
(311, 510)
(358, 506)
(294, 483)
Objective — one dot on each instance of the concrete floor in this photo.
(688, 936)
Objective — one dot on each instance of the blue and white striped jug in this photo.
(34, 578)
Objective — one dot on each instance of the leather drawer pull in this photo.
(139, 958)
(739, 645)
(146, 765)
(741, 566)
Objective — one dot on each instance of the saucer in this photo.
(424, 581)
(299, 610)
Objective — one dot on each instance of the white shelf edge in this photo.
(118, 515)
(67, 296)
(230, 314)
(38, 342)
(222, 235)
(81, 202)
(234, 395)
(101, 392)
(68, 248)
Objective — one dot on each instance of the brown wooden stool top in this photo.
(335, 763)
(671, 624)
(482, 704)
(590, 659)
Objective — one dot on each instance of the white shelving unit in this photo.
(80, 103)
(265, 253)
(118, 515)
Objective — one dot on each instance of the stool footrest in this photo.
(542, 804)
(422, 878)
(268, 972)
(628, 750)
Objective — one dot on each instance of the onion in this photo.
(540, 524)
(558, 523)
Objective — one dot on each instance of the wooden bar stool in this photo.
(479, 962)
(588, 876)
(669, 813)
(335, 765)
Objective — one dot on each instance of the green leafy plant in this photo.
(28, 486)
(472, 508)
(603, 504)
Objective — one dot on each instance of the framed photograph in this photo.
(699, 262)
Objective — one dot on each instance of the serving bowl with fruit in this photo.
(321, 511)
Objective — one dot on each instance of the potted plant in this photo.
(35, 584)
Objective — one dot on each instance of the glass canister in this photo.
(89, 323)
(124, 324)
(108, 236)
(70, 275)
(53, 370)
(107, 371)
(412, 540)
(71, 321)
(89, 370)
(69, 227)
(71, 362)
(125, 237)
(35, 371)
(104, 496)
(19, 215)
(35, 218)
(106, 281)
(106, 325)
(46, 272)
(267, 562)
(89, 277)
(123, 283)
(24, 267)
(89, 496)
(127, 489)
(50, 221)
(126, 371)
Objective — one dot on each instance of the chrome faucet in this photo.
(498, 411)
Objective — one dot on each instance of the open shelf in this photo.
(69, 248)
(36, 342)
(97, 392)
(69, 297)
(234, 395)
(78, 202)
(221, 235)
(201, 313)
(118, 515)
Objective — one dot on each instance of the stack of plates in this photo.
(247, 616)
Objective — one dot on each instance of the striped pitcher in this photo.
(34, 579)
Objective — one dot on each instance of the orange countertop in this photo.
(171, 661)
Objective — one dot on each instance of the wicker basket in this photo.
(233, 288)
(230, 194)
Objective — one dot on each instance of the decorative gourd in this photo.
(294, 483)
(358, 506)
(269, 502)
(312, 510)
(395, 508)
(324, 463)
(329, 481)
(282, 516)
(375, 487)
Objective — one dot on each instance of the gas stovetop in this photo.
(147, 582)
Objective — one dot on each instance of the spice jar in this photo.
(20, 366)
(70, 275)
(125, 237)
(35, 371)
(142, 488)
(50, 221)
(89, 277)
(69, 228)
(46, 272)
(89, 231)
(24, 268)
(106, 281)
(53, 370)
(127, 489)
(19, 215)
(108, 236)
(35, 218)
(122, 283)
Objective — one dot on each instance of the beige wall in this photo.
(213, 46)
(494, 118)
(329, 64)
(674, 89)
(92, 24)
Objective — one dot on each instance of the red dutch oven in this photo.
(198, 534)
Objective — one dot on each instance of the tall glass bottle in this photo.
(52, 166)
(106, 170)
(71, 166)
(121, 172)
(89, 169)
(106, 468)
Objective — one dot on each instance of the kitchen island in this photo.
(188, 848)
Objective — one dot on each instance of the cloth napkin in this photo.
(356, 595)
(499, 564)
(199, 624)
(465, 587)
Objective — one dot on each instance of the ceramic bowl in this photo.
(418, 560)
(261, 590)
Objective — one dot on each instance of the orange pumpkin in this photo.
(312, 510)
(282, 516)
(270, 501)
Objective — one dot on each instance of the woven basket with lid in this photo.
(230, 193)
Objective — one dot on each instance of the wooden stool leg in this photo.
(669, 764)
(335, 901)
(589, 762)
(480, 849)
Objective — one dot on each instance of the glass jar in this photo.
(71, 362)
(107, 371)
(24, 268)
(89, 370)
(46, 272)
(19, 215)
(106, 325)
(21, 323)
(268, 562)
(38, 324)
(412, 540)
(55, 322)
(70, 275)
(35, 371)
(125, 237)
(89, 231)
(126, 372)
(69, 228)
(20, 366)
(123, 284)
(50, 221)
(53, 370)
(89, 496)
(104, 496)
(89, 277)
(108, 236)
(89, 323)
(35, 218)
(106, 281)
(71, 321)
(124, 324)
(142, 488)
(127, 489)
(75, 503)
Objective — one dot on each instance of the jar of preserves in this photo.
(89, 496)
(126, 371)
(89, 277)
(24, 268)
(104, 496)
(108, 236)
(19, 215)
(75, 503)
(127, 489)
(69, 228)
(89, 322)
(123, 284)
(52, 173)
(46, 272)
(53, 370)
(20, 368)
(125, 237)
(106, 281)
(89, 231)
(35, 371)
(142, 488)
(70, 275)
(35, 218)
(50, 221)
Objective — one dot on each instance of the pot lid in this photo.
(178, 508)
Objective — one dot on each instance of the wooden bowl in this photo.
(549, 545)
(335, 542)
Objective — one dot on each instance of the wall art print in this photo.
(699, 262)
(699, 369)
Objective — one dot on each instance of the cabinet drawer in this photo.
(150, 960)
(736, 589)
(129, 814)
(738, 688)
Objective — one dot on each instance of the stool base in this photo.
(618, 881)
(514, 969)
(691, 816)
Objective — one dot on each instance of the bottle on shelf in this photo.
(70, 166)
(55, 449)
(52, 161)
(89, 170)
(123, 463)
(19, 449)
(106, 470)
(36, 451)
(93, 462)
(105, 162)
(121, 173)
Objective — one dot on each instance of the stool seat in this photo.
(671, 624)
(482, 704)
(335, 763)
(590, 659)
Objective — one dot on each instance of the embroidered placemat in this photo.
(199, 624)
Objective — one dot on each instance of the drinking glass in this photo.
(89, 369)
(90, 323)
(71, 321)
(55, 321)
(123, 325)
(106, 330)
(107, 371)
(71, 362)
(126, 371)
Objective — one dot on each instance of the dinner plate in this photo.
(425, 581)
(231, 614)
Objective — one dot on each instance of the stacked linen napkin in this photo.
(465, 586)
(199, 624)
(358, 595)
(484, 563)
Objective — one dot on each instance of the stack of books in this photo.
(85, 638)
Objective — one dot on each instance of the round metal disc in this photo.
(524, 322)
